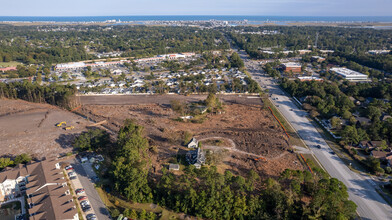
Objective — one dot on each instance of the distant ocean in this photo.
(260, 19)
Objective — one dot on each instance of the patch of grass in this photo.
(8, 64)
(199, 119)
(294, 137)
(113, 202)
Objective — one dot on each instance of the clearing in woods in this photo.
(247, 130)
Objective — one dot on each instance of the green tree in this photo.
(350, 135)
(130, 167)
(22, 158)
(39, 78)
(236, 61)
(5, 162)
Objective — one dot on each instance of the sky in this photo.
(196, 7)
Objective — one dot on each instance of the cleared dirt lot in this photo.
(31, 128)
(162, 99)
(244, 121)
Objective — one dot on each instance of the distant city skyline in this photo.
(199, 7)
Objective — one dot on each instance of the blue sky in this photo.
(196, 7)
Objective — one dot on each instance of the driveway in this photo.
(85, 173)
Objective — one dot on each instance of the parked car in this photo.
(68, 168)
(91, 217)
(81, 198)
(71, 174)
(86, 208)
(79, 191)
(318, 146)
(333, 153)
(84, 203)
(72, 178)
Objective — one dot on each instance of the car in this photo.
(86, 208)
(69, 167)
(84, 203)
(81, 198)
(71, 174)
(91, 216)
(291, 109)
(79, 191)
(333, 153)
(72, 178)
(318, 146)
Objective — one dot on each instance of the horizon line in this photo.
(196, 15)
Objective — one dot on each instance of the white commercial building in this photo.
(77, 65)
(350, 75)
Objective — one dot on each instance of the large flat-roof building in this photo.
(350, 75)
(309, 78)
(317, 59)
(291, 66)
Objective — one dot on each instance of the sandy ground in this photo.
(244, 121)
(31, 128)
(249, 130)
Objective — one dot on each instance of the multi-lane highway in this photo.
(361, 188)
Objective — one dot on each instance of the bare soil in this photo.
(243, 121)
(31, 128)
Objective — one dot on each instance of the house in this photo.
(362, 121)
(173, 166)
(370, 145)
(196, 157)
(193, 143)
(363, 144)
(382, 155)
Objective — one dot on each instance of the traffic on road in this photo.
(370, 204)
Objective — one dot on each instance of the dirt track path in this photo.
(234, 149)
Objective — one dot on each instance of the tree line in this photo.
(60, 95)
(43, 45)
(206, 193)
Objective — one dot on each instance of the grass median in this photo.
(295, 139)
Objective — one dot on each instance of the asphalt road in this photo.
(361, 188)
(85, 172)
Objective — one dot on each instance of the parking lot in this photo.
(85, 177)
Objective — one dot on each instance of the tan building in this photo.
(48, 195)
(317, 59)
(293, 67)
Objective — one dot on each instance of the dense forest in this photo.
(60, 95)
(328, 99)
(52, 44)
(205, 193)
(350, 43)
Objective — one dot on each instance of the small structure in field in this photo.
(173, 166)
(193, 143)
